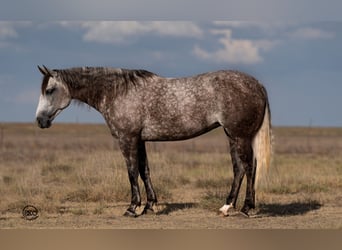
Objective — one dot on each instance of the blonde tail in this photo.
(262, 146)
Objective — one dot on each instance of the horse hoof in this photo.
(244, 212)
(131, 214)
(224, 209)
(148, 211)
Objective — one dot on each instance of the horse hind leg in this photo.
(250, 189)
(245, 153)
(242, 159)
(239, 172)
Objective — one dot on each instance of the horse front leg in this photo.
(145, 176)
(129, 149)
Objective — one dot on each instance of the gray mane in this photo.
(90, 83)
(98, 77)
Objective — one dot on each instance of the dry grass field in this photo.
(76, 177)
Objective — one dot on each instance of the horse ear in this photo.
(46, 71)
(42, 70)
(49, 71)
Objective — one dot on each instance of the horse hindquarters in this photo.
(250, 157)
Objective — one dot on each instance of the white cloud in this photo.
(311, 33)
(7, 31)
(289, 29)
(120, 31)
(241, 24)
(234, 51)
(176, 28)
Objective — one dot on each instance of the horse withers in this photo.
(140, 106)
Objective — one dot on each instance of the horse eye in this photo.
(50, 91)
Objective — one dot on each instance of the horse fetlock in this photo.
(148, 211)
(130, 213)
(245, 209)
(225, 208)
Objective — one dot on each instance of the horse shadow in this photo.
(290, 209)
(172, 207)
(271, 210)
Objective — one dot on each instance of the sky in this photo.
(299, 62)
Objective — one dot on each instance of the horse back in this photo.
(180, 108)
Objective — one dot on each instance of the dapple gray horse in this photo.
(141, 106)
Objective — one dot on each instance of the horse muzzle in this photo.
(43, 122)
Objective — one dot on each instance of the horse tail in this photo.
(262, 145)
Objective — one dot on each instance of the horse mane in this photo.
(121, 79)
(91, 82)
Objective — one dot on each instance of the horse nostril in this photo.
(43, 122)
(39, 121)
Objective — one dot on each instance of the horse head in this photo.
(53, 99)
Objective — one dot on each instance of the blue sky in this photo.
(298, 62)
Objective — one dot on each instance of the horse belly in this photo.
(176, 129)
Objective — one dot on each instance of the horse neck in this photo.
(85, 90)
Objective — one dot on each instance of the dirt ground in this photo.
(297, 197)
(187, 213)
